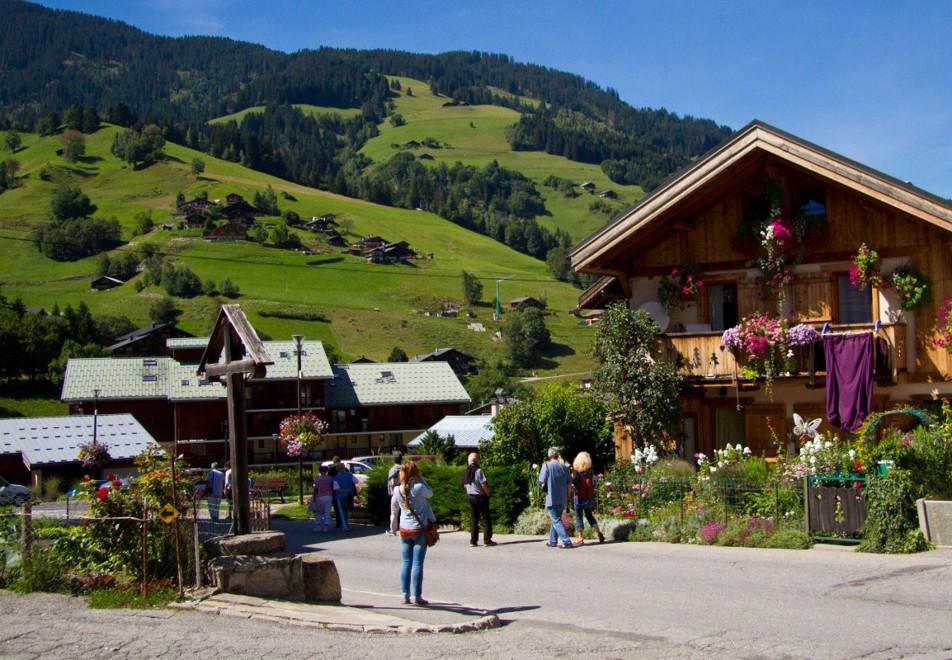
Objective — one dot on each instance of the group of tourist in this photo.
(410, 509)
(334, 486)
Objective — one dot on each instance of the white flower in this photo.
(746, 451)
(827, 445)
(739, 448)
(813, 460)
(713, 469)
(852, 454)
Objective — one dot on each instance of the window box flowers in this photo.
(768, 347)
(300, 434)
(682, 286)
(943, 335)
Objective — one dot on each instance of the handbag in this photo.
(432, 533)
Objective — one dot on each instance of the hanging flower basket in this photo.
(94, 454)
(912, 287)
(865, 269)
(681, 287)
(301, 434)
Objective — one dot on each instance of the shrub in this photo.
(892, 521)
(790, 539)
(711, 532)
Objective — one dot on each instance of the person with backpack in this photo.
(583, 481)
(474, 482)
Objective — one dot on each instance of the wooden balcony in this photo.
(702, 355)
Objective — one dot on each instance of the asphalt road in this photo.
(611, 600)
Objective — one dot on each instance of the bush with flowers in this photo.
(682, 286)
(765, 346)
(301, 434)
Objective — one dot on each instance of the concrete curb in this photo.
(327, 617)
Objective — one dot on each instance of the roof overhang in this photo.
(599, 253)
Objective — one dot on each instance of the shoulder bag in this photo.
(429, 527)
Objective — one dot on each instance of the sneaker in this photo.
(406, 599)
(474, 545)
(566, 546)
(490, 544)
(389, 533)
(551, 545)
(420, 601)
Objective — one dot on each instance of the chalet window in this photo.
(853, 306)
(812, 202)
(722, 305)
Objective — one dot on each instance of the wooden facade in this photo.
(698, 218)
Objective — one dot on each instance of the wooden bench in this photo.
(269, 486)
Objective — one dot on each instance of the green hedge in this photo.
(450, 503)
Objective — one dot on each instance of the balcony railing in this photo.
(703, 356)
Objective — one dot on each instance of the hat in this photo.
(398, 455)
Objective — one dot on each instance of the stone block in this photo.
(271, 576)
(321, 579)
(935, 520)
(258, 543)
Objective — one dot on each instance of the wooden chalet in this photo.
(105, 282)
(390, 253)
(146, 341)
(713, 215)
(194, 220)
(366, 244)
(461, 363)
(229, 231)
(237, 210)
(523, 302)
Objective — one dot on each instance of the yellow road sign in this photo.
(168, 513)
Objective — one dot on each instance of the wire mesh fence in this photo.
(55, 548)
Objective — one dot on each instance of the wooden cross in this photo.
(244, 355)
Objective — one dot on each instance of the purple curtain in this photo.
(849, 379)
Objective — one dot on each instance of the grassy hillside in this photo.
(474, 135)
(347, 290)
(312, 110)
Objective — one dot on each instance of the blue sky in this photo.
(871, 81)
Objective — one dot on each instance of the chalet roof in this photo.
(52, 440)
(599, 252)
(138, 333)
(603, 292)
(390, 383)
(467, 430)
(175, 380)
(440, 352)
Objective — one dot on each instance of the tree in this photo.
(267, 201)
(139, 146)
(164, 310)
(69, 202)
(74, 145)
(198, 166)
(444, 448)
(397, 120)
(638, 384)
(228, 288)
(9, 169)
(258, 233)
(90, 121)
(73, 117)
(291, 217)
(491, 380)
(559, 415)
(472, 288)
(525, 333)
(144, 223)
(12, 141)
(397, 355)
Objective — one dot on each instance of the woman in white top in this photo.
(411, 511)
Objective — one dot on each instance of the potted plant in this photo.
(912, 287)
(864, 270)
(93, 454)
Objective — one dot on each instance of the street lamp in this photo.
(299, 341)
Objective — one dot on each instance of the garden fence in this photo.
(155, 550)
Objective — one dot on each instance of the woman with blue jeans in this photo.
(345, 485)
(411, 511)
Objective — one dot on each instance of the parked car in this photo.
(13, 493)
(358, 468)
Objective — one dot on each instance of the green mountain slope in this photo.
(370, 308)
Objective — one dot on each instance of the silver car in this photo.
(12, 493)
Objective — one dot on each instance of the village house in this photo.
(105, 282)
(33, 448)
(461, 363)
(368, 407)
(768, 225)
(390, 253)
(147, 341)
(523, 302)
(229, 231)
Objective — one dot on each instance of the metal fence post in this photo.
(26, 532)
